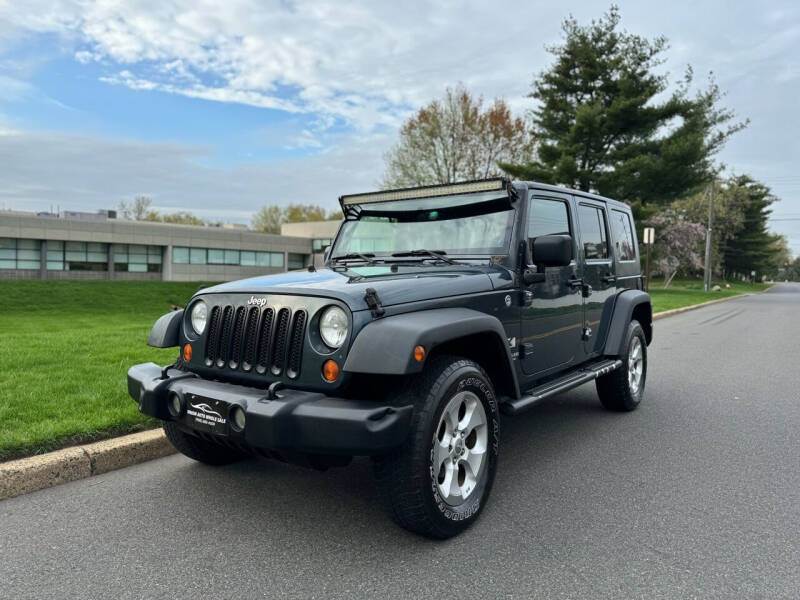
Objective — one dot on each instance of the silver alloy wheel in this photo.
(459, 447)
(635, 365)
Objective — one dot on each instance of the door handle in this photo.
(609, 279)
(576, 282)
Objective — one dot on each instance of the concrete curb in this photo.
(38, 472)
(27, 475)
(682, 309)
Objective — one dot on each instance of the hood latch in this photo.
(374, 303)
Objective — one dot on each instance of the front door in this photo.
(598, 271)
(553, 315)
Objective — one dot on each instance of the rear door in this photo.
(599, 277)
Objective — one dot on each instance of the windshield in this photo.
(471, 224)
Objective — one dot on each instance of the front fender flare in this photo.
(385, 346)
(164, 333)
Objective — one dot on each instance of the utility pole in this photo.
(707, 274)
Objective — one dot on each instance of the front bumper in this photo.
(296, 421)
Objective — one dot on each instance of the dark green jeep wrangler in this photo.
(438, 309)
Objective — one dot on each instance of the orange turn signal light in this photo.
(419, 353)
(330, 370)
(187, 352)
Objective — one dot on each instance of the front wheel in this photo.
(437, 483)
(623, 389)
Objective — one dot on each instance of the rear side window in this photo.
(547, 217)
(621, 229)
(593, 231)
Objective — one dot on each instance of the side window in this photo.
(547, 217)
(624, 248)
(593, 231)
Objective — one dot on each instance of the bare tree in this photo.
(269, 219)
(455, 139)
(138, 210)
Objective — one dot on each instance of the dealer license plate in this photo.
(205, 414)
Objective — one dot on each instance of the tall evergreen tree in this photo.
(753, 248)
(604, 123)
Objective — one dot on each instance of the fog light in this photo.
(237, 418)
(174, 405)
(330, 370)
(187, 352)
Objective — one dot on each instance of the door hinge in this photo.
(587, 333)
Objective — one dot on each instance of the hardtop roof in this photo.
(565, 190)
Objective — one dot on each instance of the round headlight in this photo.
(333, 326)
(199, 317)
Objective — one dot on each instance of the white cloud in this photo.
(364, 63)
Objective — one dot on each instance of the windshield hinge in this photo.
(374, 303)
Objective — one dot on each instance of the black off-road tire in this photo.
(614, 389)
(199, 449)
(406, 482)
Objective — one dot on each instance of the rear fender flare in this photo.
(624, 307)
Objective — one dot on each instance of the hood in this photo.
(410, 283)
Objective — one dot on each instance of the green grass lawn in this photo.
(65, 347)
(687, 292)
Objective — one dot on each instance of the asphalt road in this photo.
(696, 494)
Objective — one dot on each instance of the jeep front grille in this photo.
(259, 339)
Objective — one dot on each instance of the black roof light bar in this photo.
(498, 184)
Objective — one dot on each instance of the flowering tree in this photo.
(678, 243)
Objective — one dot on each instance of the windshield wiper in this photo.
(369, 258)
(437, 254)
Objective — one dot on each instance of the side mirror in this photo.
(552, 250)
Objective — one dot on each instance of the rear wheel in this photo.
(623, 389)
(199, 449)
(437, 483)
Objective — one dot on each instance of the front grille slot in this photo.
(236, 339)
(225, 336)
(279, 343)
(296, 344)
(259, 339)
(212, 341)
(265, 340)
(251, 339)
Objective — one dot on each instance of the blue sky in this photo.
(220, 108)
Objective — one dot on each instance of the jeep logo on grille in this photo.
(259, 302)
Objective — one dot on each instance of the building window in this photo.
(55, 255)
(248, 259)
(135, 258)
(217, 256)
(180, 255)
(231, 257)
(297, 261)
(20, 254)
(197, 256)
(154, 255)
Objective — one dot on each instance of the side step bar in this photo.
(562, 384)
